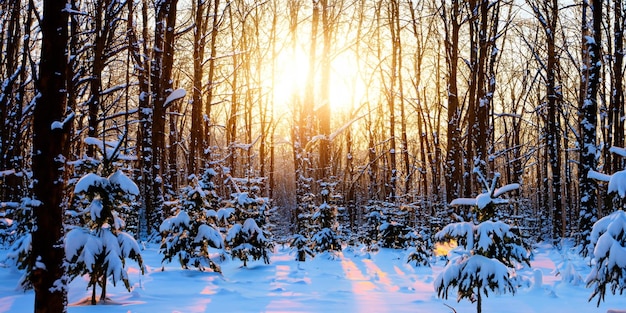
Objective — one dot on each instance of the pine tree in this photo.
(325, 218)
(247, 238)
(607, 239)
(190, 233)
(19, 253)
(486, 250)
(99, 246)
(300, 241)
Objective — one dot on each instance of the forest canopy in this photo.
(395, 102)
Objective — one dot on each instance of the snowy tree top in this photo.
(90, 180)
(124, 183)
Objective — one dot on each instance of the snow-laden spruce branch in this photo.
(607, 241)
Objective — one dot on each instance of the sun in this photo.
(292, 69)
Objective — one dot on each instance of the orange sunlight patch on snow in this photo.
(282, 272)
(208, 290)
(382, 276)
(361, 285)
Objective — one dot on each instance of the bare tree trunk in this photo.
(617, 92)
(453, 166)
(323, 114)
(231, 125)
(50, 143)
(215, 24)
(592, 38)
(391, 105)
(197, 126)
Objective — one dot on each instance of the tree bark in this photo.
(592, 37)
(453, 166)
(50, 143)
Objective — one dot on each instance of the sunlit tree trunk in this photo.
(231, 125)
(197, 125)
(310, 101)
(215, 26)
(327, 8)
(50, 144)
(453, 166)
(390, 94)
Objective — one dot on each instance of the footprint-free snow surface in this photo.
(352, 281)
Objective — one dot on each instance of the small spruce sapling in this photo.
(246, 238)
(487, 252)
(607, 240)
(99, 247)
(19, 252)
(300, 242)
(422, 250)
(325, 218)
(190, 233)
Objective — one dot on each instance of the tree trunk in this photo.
(50, 143)
(197, 126)
(617, 93)
(324, 111)
(592, 37)
(453, 166)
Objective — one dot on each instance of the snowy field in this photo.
(356, 281)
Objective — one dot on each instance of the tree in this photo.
(547, 13)
(326, 237)
(248, 237)
(19, 253)
(486, 251)
(607, 249)
(50, 143)
(588, 106)
(190, 233)
(98, 247)
(453, 165)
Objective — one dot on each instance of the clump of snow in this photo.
(124, 183)
(88, 181)
(175, 95)
(181, 218)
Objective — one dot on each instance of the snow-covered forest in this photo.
(419, 151)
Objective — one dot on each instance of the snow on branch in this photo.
(618, 150)
(598, 176)
(175, 95)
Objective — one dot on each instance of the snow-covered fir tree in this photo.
(326, 238)
(375, 219)
(98, 247)
(19, 231)
(191, 231)
(395, 235)
(300, 241)
(607, 240)
(421, 250)
(247, 239)
(488, 251)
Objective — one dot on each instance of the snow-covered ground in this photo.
(356, 281)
